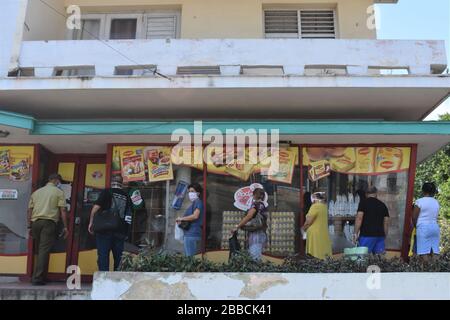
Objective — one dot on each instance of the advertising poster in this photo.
(287, 157)
(4, 163)
(16, 162)
(95, 176)
(132, 164)
(20, 167)
(159, 163)
(358, 160)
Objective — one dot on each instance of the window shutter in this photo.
(161, 27)
(317, 24)
(281, 23)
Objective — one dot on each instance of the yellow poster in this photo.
(20, 167)
(132, 164)
(359, 160)
(159, 163)
(95, 176)
(16, 162)
(67, 171)
(286, 166)
(4, 163)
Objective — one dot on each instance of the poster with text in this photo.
(132, 164)
(159, 163)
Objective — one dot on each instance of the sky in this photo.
(418, 20)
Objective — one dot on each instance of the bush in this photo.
(149, 261)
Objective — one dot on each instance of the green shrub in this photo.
(150, 261)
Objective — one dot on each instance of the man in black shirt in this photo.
(112, 240)
(371, 224)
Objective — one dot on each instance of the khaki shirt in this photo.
(46, 203)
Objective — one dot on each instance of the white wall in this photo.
(270, 286)
(12, 15)
(45, 22)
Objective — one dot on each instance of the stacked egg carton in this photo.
(282, 233)
(230, 220)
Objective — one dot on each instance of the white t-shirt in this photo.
(429, 210)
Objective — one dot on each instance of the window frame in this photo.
(141, 27)
(299, 25)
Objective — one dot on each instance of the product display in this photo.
(230, 220)
(281, 233)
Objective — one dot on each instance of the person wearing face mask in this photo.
(257, 239)
(46, 206)
(318, 243)
(193, 215)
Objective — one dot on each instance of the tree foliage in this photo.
(437, 169)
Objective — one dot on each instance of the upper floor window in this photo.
(305, 24)
(155, 25)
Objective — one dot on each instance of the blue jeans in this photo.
(375, 244)
(191, 245)
(107, 242)
(255, 250)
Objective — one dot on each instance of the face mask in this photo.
(59, 185)
(313, 199)
(193, 196)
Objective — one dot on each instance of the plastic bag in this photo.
(179, 233)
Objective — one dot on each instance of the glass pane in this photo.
(90, 30)
(344, 175)
(223, 213)
(123, 29)
(15, 183)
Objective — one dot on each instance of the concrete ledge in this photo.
(270, 286)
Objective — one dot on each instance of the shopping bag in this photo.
(413, 243)
(179, 233)
(356, 253)
(234, 245)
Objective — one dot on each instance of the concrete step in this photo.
(51, 291)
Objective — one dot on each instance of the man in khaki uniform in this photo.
(46, 205)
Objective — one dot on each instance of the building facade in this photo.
(105, 98)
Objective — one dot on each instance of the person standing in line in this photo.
(45, 208)
(194, 216)
(257, 239)
(113, 240)
(318, 243)
(372, 223)
(425, 218)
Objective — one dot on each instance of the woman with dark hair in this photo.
(256, 239)
(193, 215)
(425, 215)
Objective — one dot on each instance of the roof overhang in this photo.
(392, 98)
(92, 137)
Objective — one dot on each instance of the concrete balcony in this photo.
(308, 79)
(234, 57)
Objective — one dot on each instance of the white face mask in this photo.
(193, 196)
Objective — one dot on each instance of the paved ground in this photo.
(12, 289)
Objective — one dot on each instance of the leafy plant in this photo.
(151, 261)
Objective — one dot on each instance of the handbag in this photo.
(108, 220)
(234, 245)
(185, 225)
(258, 222)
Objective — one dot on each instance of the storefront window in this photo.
(344, 174)
(16, 167)
(158, 189)
(229, 190)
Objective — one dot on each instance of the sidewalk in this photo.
(12, 289)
